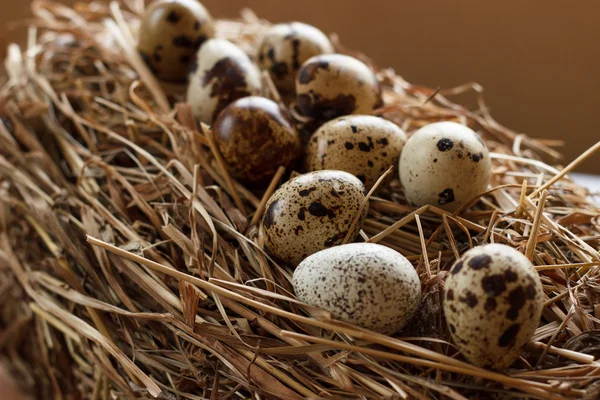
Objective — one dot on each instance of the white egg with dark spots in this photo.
(365, 284)
(364, 145)
(170, 34)
(285, 47)
(312, 212)
(493, 300)
(224, 73)
(444, 164)
(332, 85)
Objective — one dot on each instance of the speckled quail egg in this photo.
(285, 47)
(366, 284)
(224, 73)
(312, 212)
(363, 145)
(493, 301)
(255, 137)
(171, 32)
(444, 164)
(331, 85)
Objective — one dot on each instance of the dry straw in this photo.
(132, 264)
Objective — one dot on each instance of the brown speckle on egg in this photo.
(508, 336)
(272, 211)
(494, 284)
(332, 85)
(493, 302)
(445, 144)
(255, 137)
(168, 36)
(490, 304)
(308, 201)
(447, 196)
(362, 283)
(355, 144)
(469, 299)
(481, 261)
(172, 17)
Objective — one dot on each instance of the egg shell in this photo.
(363, 145)
(171, 32)
(493, 300)
(255, 137)
(332, 85)
(285, 47)
(366, 284)
(312, 212)
(224, 73)
(444, 164)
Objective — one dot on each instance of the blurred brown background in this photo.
(538, 60)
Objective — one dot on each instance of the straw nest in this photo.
(132, 265)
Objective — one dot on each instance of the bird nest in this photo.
(133, 266)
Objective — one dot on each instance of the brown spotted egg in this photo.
(493, 300)
(224, 73)
(255, 137)
(364, 145)
(312, 212)
(365, 284)
(444, 164)
(331, 85)
(171, 32)
(285, 47)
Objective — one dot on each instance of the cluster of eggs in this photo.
(493, 297)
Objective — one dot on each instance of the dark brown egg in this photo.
(285, 47)
(170, 34)
(255, 137)
(332, 85)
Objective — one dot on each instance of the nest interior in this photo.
(133, 266)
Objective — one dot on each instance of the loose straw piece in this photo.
(364, 204)
(584, 156)
(568, 266)
(225, 172)
(263, 202)
(570, 354)
(533, 235)
(397, 225)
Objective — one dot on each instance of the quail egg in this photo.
(365, 284)
(171, 32)
(493, 301)
(255, 137)
(224, 73)
(444, 164)
(364, 145)
(331, 85)
(312, 212)
(285, 47)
